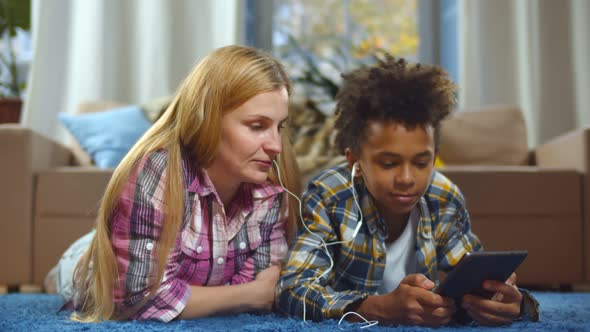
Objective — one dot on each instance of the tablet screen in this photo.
(474, 268)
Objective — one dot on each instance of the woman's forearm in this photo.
(208, 301)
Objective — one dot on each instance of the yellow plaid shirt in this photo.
(443, 237)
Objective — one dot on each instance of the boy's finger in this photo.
(418, 280)
(488, 319)
(492, 308)
(503, 291)
(512, 279)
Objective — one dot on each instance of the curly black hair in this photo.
(392, 90)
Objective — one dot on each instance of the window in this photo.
(317, 40)
(350, 27)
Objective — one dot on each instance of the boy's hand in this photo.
(412, 303)
(417, 305)
(503, 308)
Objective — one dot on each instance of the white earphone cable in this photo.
(324, 246)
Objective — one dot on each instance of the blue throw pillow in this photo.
(107, 136)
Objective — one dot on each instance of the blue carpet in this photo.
(37, 312)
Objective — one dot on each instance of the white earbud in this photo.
(353, 172)
(355, 166)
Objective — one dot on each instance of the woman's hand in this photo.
(503, 308)
(266, 281)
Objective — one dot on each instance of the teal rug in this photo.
(38, 312)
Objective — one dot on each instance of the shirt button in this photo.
(199, 249)
(149, 246)
(220, 260)
(242, 245)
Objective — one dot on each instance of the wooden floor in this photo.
(581, 288)
(27, 289)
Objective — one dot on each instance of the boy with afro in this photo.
(380, 229)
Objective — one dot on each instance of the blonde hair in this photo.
(221, 82)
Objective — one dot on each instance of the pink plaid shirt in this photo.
(216, 246)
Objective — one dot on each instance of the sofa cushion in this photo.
(487, 136)
(81, 158)
(107, 136)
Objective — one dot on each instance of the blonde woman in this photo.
(194, 220)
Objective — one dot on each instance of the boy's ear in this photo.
(349, 157)
(352, 159)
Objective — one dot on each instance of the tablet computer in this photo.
(474, 267)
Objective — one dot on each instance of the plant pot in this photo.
(10, 109)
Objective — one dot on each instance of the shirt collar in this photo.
(370, 213)
(251, 192)
(425, 224)
(203, 186)
(265, 190)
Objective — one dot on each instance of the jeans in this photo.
(67, 264)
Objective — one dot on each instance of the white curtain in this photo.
(121, 50)
(532, 53)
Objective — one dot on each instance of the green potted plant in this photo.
(320, 74)
(13, 14)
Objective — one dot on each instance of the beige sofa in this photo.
(47, 201)
(536, 201)
(25, 153)
(50, 198)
